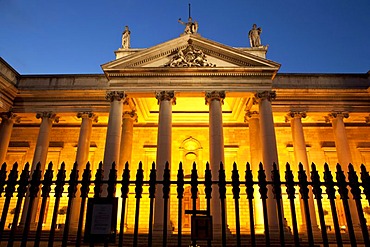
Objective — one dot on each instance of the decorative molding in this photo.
(166, 95)
(115, 95)
(215, 95)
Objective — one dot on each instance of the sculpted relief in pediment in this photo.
(189, 57)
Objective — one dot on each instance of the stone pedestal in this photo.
(164, 140)
(216, 149)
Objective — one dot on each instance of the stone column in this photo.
(252, 117)
(83, 147)
(344, 154)
(82, 157)
(40, 155)
(215, 99)
(113, 138)
(164, 140)
(300, 156)
(6, 127)
(269, 150)
(128, 119)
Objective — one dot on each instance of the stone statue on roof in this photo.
(126, 38)
(190, 26)
(254, 36)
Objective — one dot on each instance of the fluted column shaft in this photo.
(82, 157)
(300, 155)
(252, 117)
(343, 154)
(40, 155)
(113, 138)
(128, 119)
(216, 149)
(269, 148)
(83, 147)
(6, 127)
(164, 140)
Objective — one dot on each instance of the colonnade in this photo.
(119, 139)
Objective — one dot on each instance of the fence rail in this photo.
(35, 184)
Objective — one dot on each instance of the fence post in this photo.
(85, 188)
(222, 191)
(138, 192)
(180, 195)
(356, 192)
(290, 190)
(330, 191)
(194, 195)
(365, 182)
(124, 194)
(276, 190)
(250, 190)
(236, 192)
(59, 188)
(208, 192)
(166, 196)
(10, 188)
(317, 191)
(34, 190)
(303, 184)
(72, 189)
(152, 187)
(262, 183)
(46, 188)
(343, 191)
(22, 189)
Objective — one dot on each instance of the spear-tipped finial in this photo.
(189, 10)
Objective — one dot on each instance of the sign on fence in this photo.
(201, 228)
(101, 220)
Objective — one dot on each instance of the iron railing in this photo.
(30, 184)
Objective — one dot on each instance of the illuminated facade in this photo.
(189, 99)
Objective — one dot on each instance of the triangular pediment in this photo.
(213, 56)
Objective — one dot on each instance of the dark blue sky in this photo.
(69, 36)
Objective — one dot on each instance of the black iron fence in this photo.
(30, 184)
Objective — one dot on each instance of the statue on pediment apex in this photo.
(126, 38)
(190, 26)
(254, 36)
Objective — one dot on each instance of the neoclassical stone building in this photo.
(189, 99)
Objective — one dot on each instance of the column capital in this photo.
(88, 114)
(295, 114)
(166, 95)
(130, 114)
(215, 95)
(250, 115)
(265, 95)
(115, 95)
(48, 114)
(367, 119)
(10, 116)
(334, 115)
